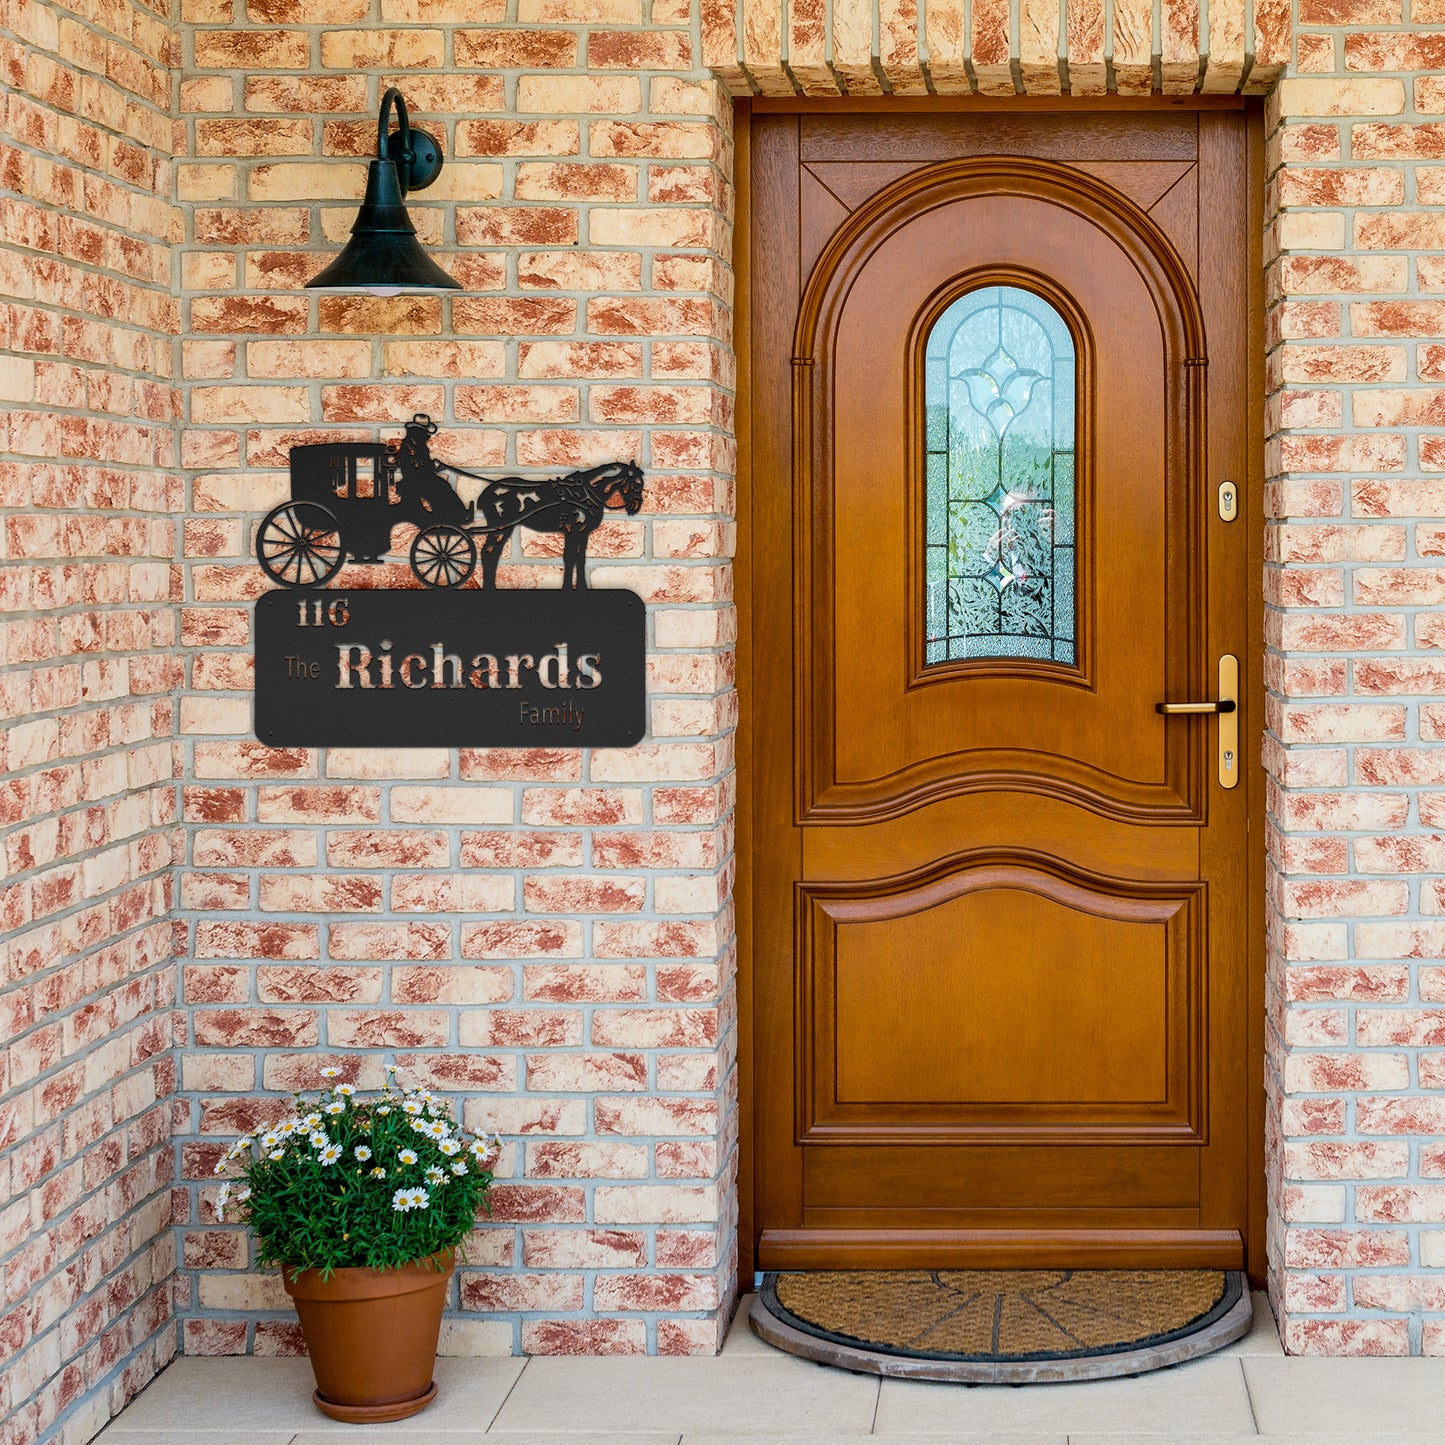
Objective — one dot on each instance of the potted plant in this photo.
(362, 1202)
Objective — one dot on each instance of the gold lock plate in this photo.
(1229, 721)
(1228, 501)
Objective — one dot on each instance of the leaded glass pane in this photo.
(999, 436)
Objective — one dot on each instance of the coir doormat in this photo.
(1003, 1326)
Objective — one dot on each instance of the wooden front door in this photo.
(999, 371)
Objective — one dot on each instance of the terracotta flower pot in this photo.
(372, 1336)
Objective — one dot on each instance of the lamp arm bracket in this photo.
(392, 97)
(416, 155)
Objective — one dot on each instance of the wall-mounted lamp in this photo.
(383, 255)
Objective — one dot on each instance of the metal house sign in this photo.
(441, 664)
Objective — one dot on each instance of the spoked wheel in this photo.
(299, 545)
(443, 556)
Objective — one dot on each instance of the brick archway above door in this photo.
(873, 47)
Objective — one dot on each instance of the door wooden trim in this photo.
(999, 1249)
(849, 1248)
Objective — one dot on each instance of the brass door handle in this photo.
(1174, 709)
(1227, 706)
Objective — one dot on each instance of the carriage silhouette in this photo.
(346, 497)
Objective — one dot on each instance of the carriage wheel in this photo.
(443, 556)
(299, 545)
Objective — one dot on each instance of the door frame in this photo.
(1253, 516)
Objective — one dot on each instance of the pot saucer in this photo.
(375, 1414)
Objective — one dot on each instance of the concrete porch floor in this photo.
(1247, 1391)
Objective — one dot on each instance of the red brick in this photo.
(516, 226)
(1345, 1248)
(517, 137)
(655, 1028)
(469, 1072)
(387, 1029)
(584, 983)
(389, 941)
(1395, 51)
(521, 1292)
(568, 1160)
(575, 894)
(397, 848)
(310, 984)
(521, 940)
(536, 1204)
(655, 1292)
(515, 49)
(497, 316)
(584, 1337)
(583, 1249)
(639, 50)
(257, 940)
(255, 1028)
(521, 849)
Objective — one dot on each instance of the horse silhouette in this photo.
(573, 505)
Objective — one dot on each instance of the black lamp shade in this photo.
(383, 255)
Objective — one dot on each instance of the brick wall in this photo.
(89, 497)
(1354, 582)
(545, 935)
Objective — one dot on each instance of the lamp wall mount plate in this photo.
(417, 157)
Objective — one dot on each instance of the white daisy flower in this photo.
(362, 1152)
(270, 1140)
(378, 1172)
(403, 1200)
(242, 1195)
(419, 1125)
(289, 1127)
(392, 1068)
(486, 1148)
(331, 1073)
(459, 1167)
(331, 1154)
(384, 1110)
(450, 1146)
(277, 1154)
(220, 1166)
(311, 1120)
(437, 1129)
(335, 1107)
(412, 1106)
(407, 1156)
(319, 1139)
(345, 1090)
(435, 1176)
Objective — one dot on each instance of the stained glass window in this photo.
(999, 392)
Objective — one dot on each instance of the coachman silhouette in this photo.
(347, 496)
